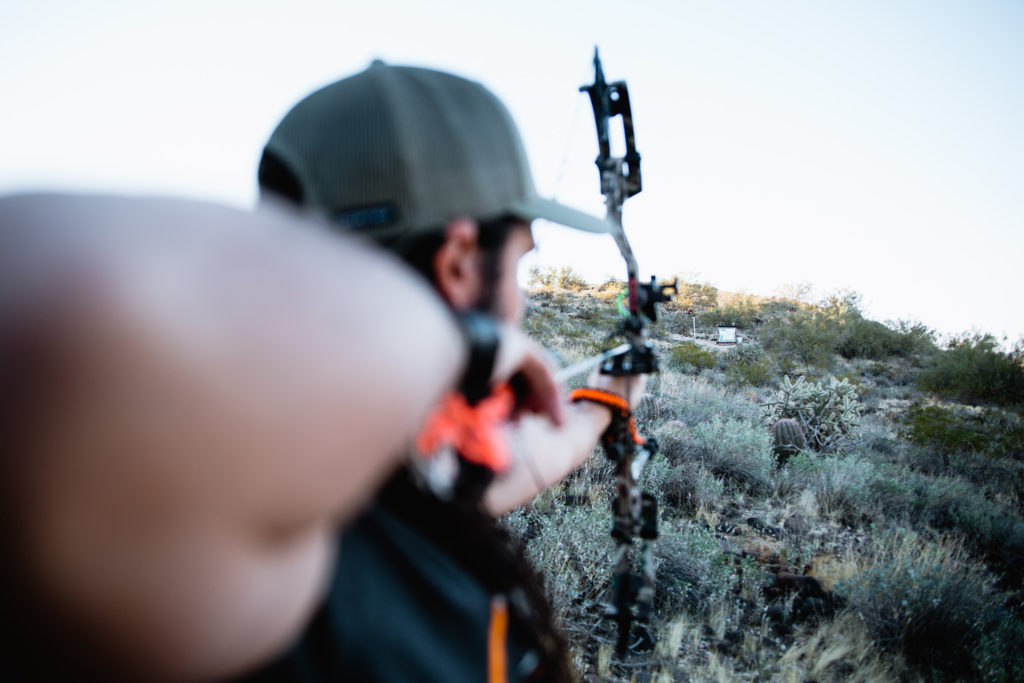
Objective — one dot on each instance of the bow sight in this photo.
(635, 511)
(620, 179)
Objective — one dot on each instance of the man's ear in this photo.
(457, 264)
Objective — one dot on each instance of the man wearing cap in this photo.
(431, 166)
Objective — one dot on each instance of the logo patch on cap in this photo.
(378, 216)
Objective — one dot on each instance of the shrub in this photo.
(813, 335)
(828, 411)
(806, 335)
(695, 296)
(952, 505)
(945, 429)
(691, 357)
(548, 277)
(842, 486)
(742, 310)
(999, 656)
(862, 338)
(955, 429)
(571, 549)
(925, 599)
(684, 486)
(973, 369)
(542, 277)
(735, 450)
(569, 279)
(914, 337)
(841, 302)
(692, 572)
(747, 365)
(692, 400)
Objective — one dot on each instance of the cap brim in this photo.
(549, 210)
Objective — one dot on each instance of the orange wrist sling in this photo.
(472, 430)
(617, 404)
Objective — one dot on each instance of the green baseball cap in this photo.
(395, 150)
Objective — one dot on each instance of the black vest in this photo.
(409, 600)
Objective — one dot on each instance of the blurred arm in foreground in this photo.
(191, 397)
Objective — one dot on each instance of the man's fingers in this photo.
(545, 392)
(519, 356)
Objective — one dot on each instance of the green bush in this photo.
(542, 277)
(914, 338)
(748, 364)
(954, 506)
(999, 656)
(691, 357)
(612, 284)
(807, 336)
(947, 430)
(974, 369)
(813, 335)
(958, 429)
(683, 487)
(862, 338)
(570, 549)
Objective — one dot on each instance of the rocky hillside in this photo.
(876, 533)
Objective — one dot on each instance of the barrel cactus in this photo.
(788, 439)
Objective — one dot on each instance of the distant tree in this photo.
(842, 302)
(548, 277)
(568, 278)
(801, 292)
(699, 297)
(542, 277)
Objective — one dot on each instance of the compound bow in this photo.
(635, 511)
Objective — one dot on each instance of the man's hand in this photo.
(525, 364)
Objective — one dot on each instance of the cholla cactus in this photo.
(828, 411)
(788, 439)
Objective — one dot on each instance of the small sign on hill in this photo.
(727, 335)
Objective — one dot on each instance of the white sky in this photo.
(876, 145)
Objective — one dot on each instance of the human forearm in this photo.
(543, 454)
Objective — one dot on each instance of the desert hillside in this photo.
(884, 541)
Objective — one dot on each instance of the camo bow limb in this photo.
(635, 511)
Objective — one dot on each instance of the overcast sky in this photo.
(875, 146)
